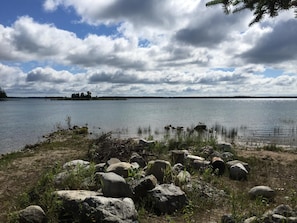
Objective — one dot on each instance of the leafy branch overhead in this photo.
(260, 8)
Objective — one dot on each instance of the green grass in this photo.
(8, 158)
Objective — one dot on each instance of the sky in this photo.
(143, 48)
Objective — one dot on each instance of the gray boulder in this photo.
(284, 210)
(136, 158)
(200, 164)
(238, 172)
(89, 207)
(227, 156)
(192, 161)
(262, 191)
(109, 210)
(182, 178)
(32, 214)
(114, 185)
(178, 156)
(177, 168)
(142, 186)
(167, 198)
(233, 162)
(161, 169)
(206, 151)
(218, 165)
(120, 168)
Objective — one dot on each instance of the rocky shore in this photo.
(71, 178)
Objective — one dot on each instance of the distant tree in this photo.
(260, 8)
(2, 93)
(76, 95)
(89, 94)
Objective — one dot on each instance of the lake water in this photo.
(25, 121)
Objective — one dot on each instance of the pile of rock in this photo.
(159, 185)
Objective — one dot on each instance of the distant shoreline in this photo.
(153, 97)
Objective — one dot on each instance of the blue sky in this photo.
(143, 48)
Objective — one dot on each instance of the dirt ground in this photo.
(17, 176)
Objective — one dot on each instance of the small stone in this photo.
(32, 214)
(262, 191)
(75, 164)
(253, 219)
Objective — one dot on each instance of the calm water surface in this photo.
(25, 121)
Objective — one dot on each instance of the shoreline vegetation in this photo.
(28, 177)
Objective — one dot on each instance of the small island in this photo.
(88, 96)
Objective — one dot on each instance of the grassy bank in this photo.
(27, 176)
